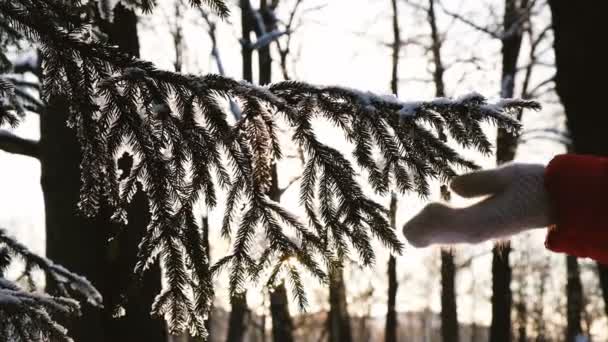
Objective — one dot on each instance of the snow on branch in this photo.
(267, 38)
(28, 316)
(106, 7)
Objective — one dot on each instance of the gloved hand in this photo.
(517, 201)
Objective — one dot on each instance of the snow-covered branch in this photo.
(30, 316)
(267, 38)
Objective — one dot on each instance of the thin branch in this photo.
(215, 54)
(11, 143)
(267, 39)
(501, 35)
(533, 91)
(291, 182)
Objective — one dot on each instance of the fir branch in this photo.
(31, 313)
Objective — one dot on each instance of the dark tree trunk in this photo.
(449, 311)
(396, 49)
(603, 275)
(246, 29)
(238, 304)
(580, 78)
(71, 240)
(339, 319)
(264, 57)
(500, 328)
(390, 331)
(205, 226)
(506, 145)
(449, 314)
(237, 324)
(574, 295)
(282, 325)
(81, 244)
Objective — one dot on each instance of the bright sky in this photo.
(340, 42)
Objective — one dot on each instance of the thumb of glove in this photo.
(421, 230)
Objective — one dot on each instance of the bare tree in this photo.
(390, 331)
(449, 311)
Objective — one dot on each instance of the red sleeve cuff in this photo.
(578, 188)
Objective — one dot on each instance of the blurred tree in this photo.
(338, 320)
(390, 330)
(574, 295)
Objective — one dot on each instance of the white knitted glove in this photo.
(517, 201)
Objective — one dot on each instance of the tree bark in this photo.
(449, 311)
(81, 244)
(574, 305)
(500, 328)
(238, 304)
(390, 331)
(506, 145)
(282, 324)
(205, 226)
(581, 66)
(11, 143)
(237, 324)
(339, 319)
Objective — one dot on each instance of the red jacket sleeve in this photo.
(578, 187)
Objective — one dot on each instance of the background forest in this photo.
(415, 49)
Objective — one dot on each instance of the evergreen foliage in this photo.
(186, 150)
(26, 315)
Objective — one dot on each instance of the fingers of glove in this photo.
(488, 219)
(480, 183)
(421, 230)
(439, 224)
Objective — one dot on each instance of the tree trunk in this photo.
(339, 319)
(574, 295)
(390, 331)
(522, 319)
(81, 244)
(581, 66)
(238, 304)
(603, 275)
(282, 325)
(449, 313)
(500, 328)
(237, 324)
(506, 145)
(205, 226)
